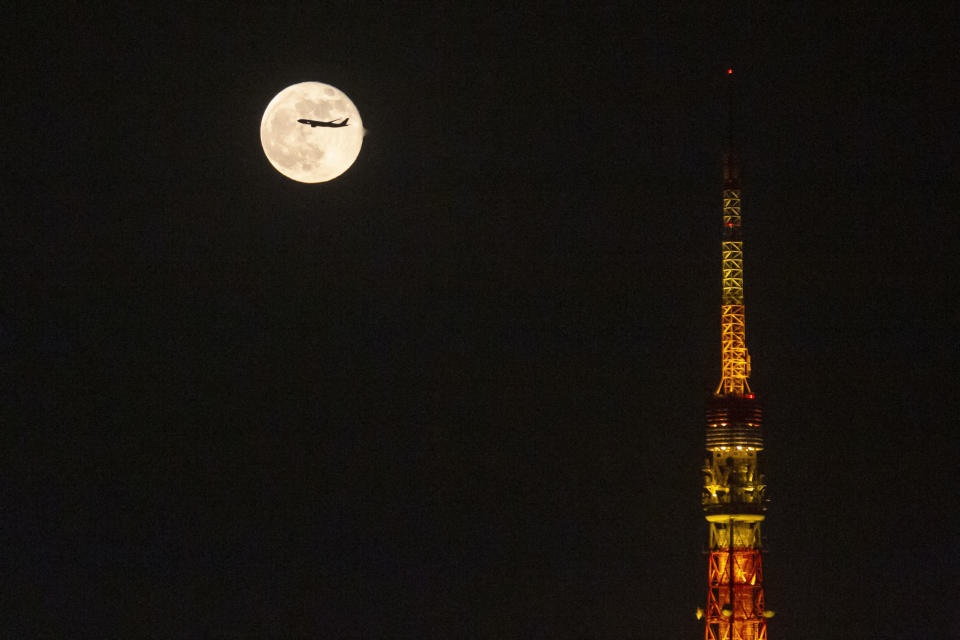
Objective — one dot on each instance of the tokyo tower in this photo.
(734, 485)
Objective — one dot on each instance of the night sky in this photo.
(459, 390)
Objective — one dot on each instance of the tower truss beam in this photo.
(734, 358)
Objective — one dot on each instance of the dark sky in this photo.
(459, 391)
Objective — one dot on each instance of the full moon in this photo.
(316, 151)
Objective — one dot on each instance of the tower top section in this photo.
(731, 170)
(735, 360)
(731, 160)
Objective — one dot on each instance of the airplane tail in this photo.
(346, 120)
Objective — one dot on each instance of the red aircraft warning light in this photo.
(729, 72)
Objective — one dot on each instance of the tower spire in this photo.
(730, 86)
(734, 486)
(735, 360)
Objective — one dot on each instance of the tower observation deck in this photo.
(734, 487)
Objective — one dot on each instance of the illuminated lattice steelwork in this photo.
(735, 361)
(734, 486)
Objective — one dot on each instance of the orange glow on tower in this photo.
(734, 487)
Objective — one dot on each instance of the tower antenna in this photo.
(735, 360)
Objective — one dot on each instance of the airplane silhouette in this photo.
(319, 123)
